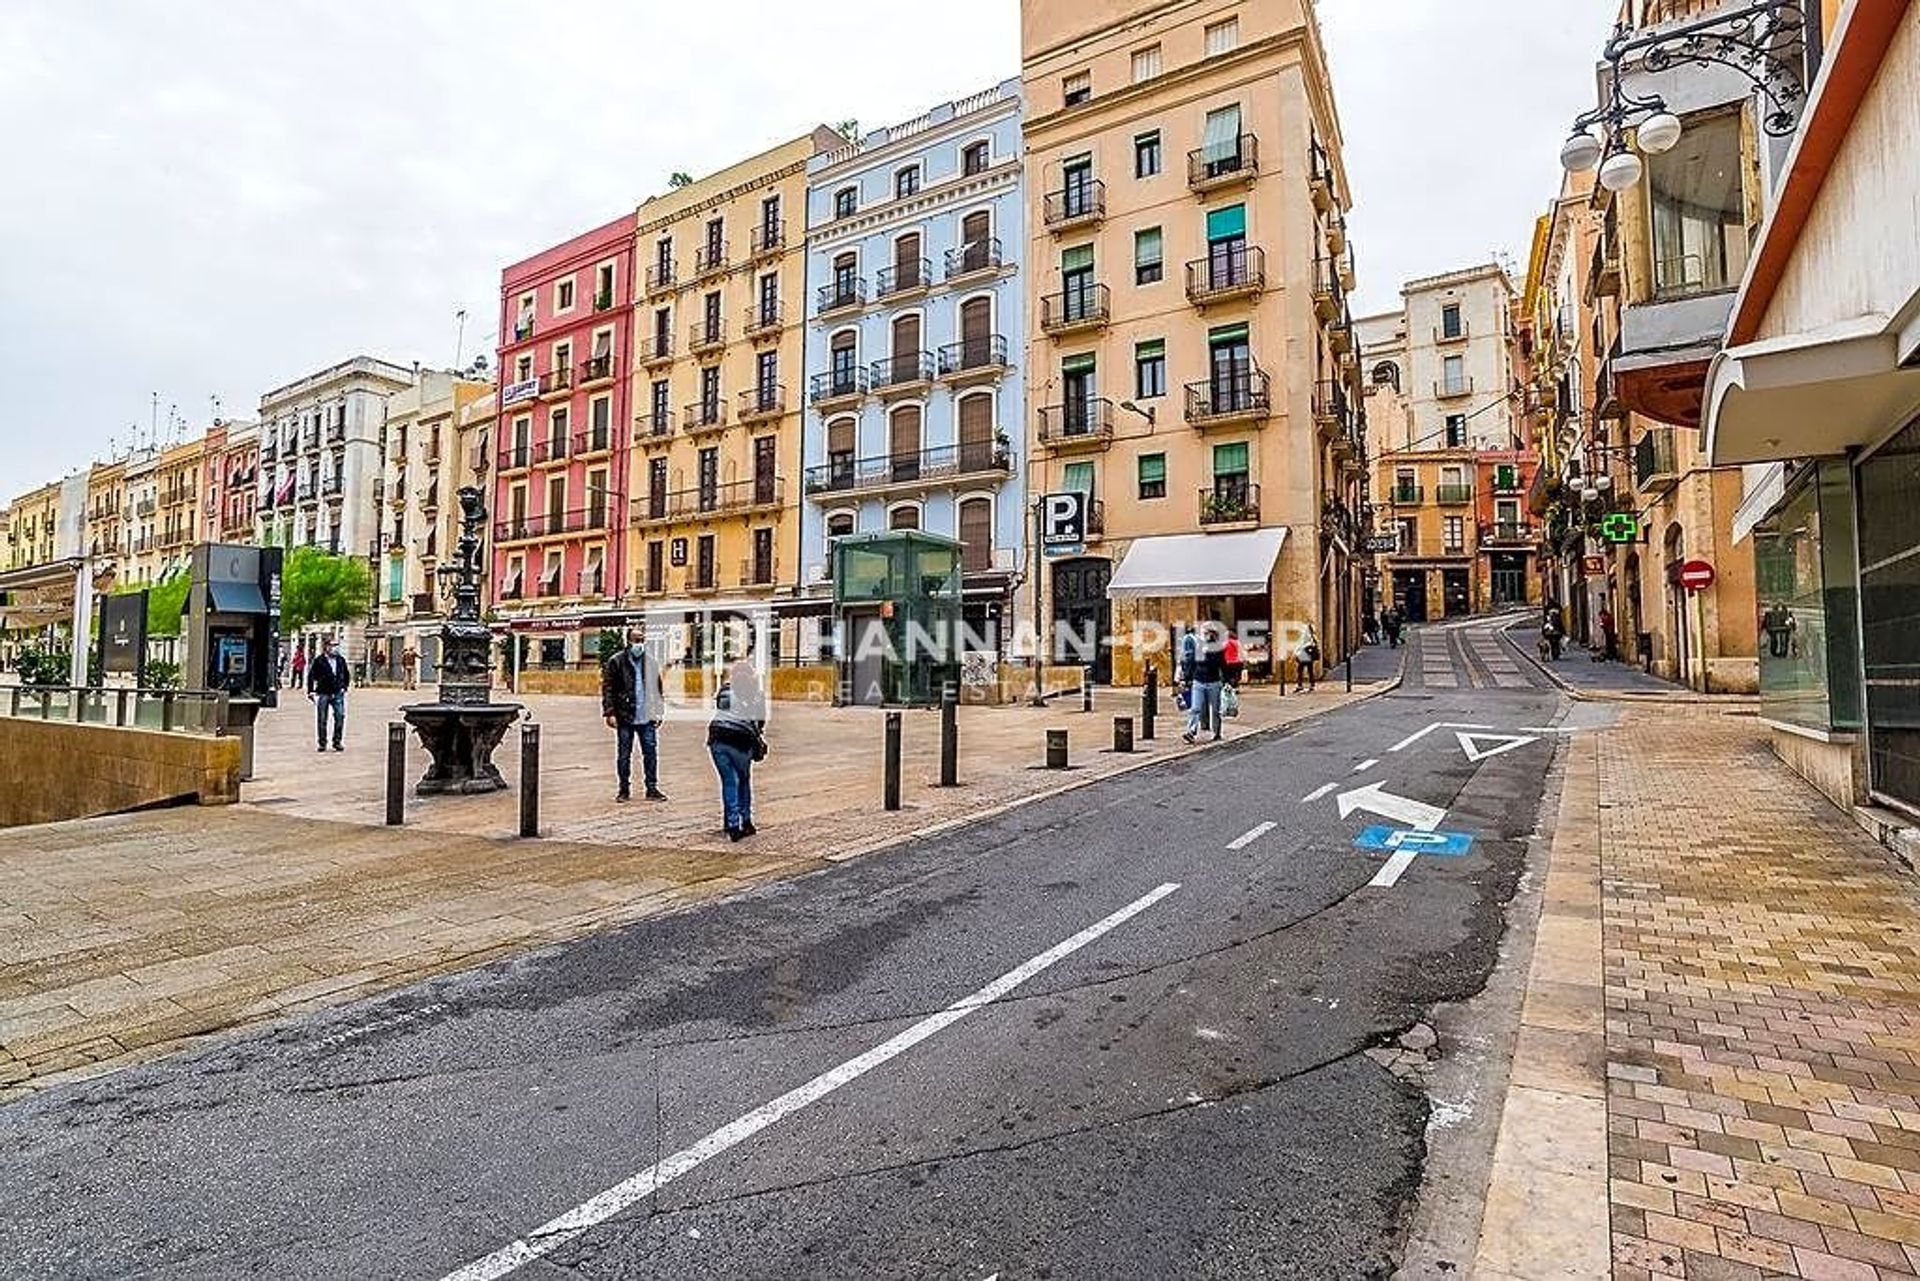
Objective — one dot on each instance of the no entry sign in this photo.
(1696, 575)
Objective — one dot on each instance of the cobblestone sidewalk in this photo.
(1759, 1067)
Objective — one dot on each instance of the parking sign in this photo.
(1063, 520)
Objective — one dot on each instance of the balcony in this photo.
(1604, 269)
(1443, 336)
(1320, 179)
(707, 335)
(516, 458)
(656, 349)
(553, 450)
(974, 258)
(660, 276)
(1081, 204)
(768, 238)
(1240, 396)
(595, 370)
(603, 301)
(556, 382)
(1331, 411)
(581, 520)
(1452, 495)
(758, 572)
(704, 416)
(597, 440)
(763, 403)
(268, 451)
(1329, 295)
(1081, 424)
(1606, 388)
(1400, 495)
(424, 605)
(1506, 533)
(732, 498)
(1081, 308)
(1449, 388)
(973, 360)
(903, 278)
(837, 388)
(1211, 169)
(1232, 271)
(1653, 459)
(332, 486)
(336, 433)
(653, 429)
(710, 259)
(940, 465)
(846, 294)
(762, 320)
(1229, 502)
(905, 374)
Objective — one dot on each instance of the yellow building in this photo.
(177, 520)
(717, 383)
(1190, 362)
(34, 521)
(106, 501)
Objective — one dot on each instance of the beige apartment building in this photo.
(177, 518)
(34, 520)
(717, 384)
(1190, 355)
(106, 501)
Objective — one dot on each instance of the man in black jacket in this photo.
(633, 700)
(327, 682)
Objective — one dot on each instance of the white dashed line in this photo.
(1367, 764)
(1248, 837)
(1317, 793)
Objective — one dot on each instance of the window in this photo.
(716, 240)
(1453, 375)
(1146, 63)
(563, 295)
(1223, 37)
(1450, 321)
(845, 201)
(1456, 431)
(603, 286)
(600, 422)
(1077, 88)
(1406, 487)
(1150, 370)
(1077, 478)
(906, 181)
(1153, 476)
(975, 528)
(1230, 459)
(1077, 385)
(1220, 141)
(1147, 267)
(1146, 154)
(705, 565)
(975, 157)
(1453, 532)
(904, 518)
(1700, 239)
(1078, 293)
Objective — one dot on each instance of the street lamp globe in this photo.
(1580, 153)
(1620, 171)
(1658, 133)
(1589, 494)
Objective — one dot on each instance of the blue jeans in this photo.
(322, 703)
(735, 767)
(1203, 711)
(649, 735)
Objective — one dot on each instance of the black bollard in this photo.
(891, 789)
(1149, 704)
(529, 781)
(950, 737)
(1056, 749)
(1086, 689)
(396, 772)
(1123, 734)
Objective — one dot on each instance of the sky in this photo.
(207, 200)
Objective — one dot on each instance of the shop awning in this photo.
(1809, 394)
(236, 598)
(1198, 565)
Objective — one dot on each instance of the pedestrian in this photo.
(1609, 638)
(1553, 631)
(300, 664)
(327, 681)
(735, 741)
(410, 667)
(1370, 627)
(633, 700)
(1203, 671)
(1391, 623)
(1232, 666)
(1306, 655)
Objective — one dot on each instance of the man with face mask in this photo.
(634, 702)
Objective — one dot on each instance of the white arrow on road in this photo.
(1471, 743)
(1419, 734)
(1374, 799)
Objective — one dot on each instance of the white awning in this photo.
(1807, 395)
(1198, 565)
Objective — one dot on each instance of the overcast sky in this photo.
(212, 199)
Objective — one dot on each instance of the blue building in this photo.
(915, 325)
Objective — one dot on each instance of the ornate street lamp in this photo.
(1765, 40)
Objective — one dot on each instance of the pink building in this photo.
(232, 465)
(559, 492)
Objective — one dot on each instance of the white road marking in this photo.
(1372, 798)
(1248, 837)
(555, 1233)
(1549, 729)
(1317, 793)
(1470, 743)
(1366, 765)
(1393, 869)
(1419, 734)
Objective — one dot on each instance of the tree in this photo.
(849, 129)
(679, 179)
(166, 603)
(318, 587)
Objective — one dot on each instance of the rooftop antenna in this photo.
(215, 401)
(460, 336)
(153, 428)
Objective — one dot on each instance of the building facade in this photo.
(915, 337)
(142, 560)
(320, 459)
(1190, 362)
(179, 474)
(233, 494)
(560, 476)
(106, 499)
(34, 520)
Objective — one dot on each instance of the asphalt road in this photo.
(1164, 1082)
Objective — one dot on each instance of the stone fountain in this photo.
(463, 728)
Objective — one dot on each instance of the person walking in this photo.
(735, 741)
(327, 681)
(1203, 671)
(300, 664)
(1391, 623)
(1553, 631)
(1306, 655)
(1609, 637)
(409, 667)
(633, 700)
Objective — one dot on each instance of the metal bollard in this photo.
(1086, 689)
(1056, 749)
(166, 712)
(1123, 734)
(950, 737)
(529, 781)
(1149, 704)
(396, 772)
(77, 704)
(15, 697)
(46, 701)
(120, 707)
(891, 787)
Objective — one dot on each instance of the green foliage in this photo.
(44, 666)
(162, 674)
(166, 602)
(680, 179)
(318, 587)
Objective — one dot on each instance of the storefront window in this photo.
(1803, 571)
(1890, 613)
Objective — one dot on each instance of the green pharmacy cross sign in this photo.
(1620, 527)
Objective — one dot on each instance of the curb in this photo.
(1586, 694)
